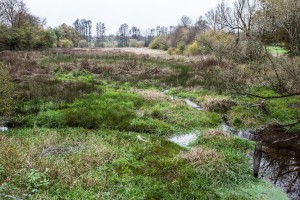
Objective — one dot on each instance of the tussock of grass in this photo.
(215, 103)
(153, 95)
(215, 132)
(242, 117)
(198, 156)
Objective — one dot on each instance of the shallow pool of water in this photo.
(185, 139)
(192, 104)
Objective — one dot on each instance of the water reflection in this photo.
(281, 160)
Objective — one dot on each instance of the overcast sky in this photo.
(140, 13)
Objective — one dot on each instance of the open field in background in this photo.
(155, 53)
(276, 50)
(93, 124)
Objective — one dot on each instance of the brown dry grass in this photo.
(153, 95)
(201, 155)
(214, 132)
(215, 103)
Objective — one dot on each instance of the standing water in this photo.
(279, 157)
(3, 129)
(186, 139)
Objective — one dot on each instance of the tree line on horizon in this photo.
(247, 21)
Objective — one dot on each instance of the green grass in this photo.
(123, 110)
(248, 114)
(276, 50)
(85, 164)
(78, 75)
(86, 144)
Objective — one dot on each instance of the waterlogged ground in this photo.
(114, 125)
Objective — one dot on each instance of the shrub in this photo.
(219, 43)
(159, 42)
(83, 44)
(135, 43)
(193, 48)
(155, 44)
(180, 47)
(225, 45)
(66, 44)
(171, 51)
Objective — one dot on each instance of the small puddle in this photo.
(3, 129)
(186, 139)
(244, 134)
(192, 104)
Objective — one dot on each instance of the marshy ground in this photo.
(94, 124)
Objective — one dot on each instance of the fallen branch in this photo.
(287, 140)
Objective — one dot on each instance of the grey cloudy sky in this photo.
(140, 13)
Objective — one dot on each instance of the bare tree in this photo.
(13, 12)
(135, 33)
(185, 21)
(149, 36)
(238, 18)
(101, 29)
(201, 24)
(280, 20)
(123, 34)
(84, 27)
(213, 20)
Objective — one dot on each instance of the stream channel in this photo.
(276, 157)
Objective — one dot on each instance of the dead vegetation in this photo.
(153, 95)
(216, 103)
(214, 132)
(200, 155)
